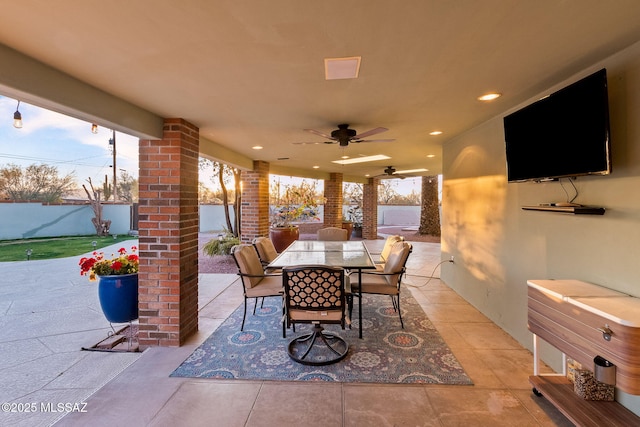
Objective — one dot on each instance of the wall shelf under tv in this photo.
(576, 210)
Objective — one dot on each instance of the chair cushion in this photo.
(373, 284)
(310, 316)
(332, 234)
(396, 261)
(388, 244)
(265, 248)
(249, 263)
(268, 286)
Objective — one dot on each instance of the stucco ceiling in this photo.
(252, 73)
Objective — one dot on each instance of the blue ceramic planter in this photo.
(118, 296)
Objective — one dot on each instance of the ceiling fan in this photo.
(390, 172)
(343, 136)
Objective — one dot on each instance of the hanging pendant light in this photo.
(17, 118)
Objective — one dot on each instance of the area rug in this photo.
(386, 354)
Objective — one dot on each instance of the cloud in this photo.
(63, 141)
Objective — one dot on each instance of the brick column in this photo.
(333, 202)
(254, 215)
(370, 209)
(168, 236)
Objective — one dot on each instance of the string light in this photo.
(17, 118)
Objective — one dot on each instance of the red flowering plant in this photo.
(98, 265)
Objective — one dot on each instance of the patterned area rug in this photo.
(386, 354)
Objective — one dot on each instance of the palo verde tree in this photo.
(226, 175)
(35, 183)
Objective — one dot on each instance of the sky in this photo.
(67, 143)
(47, 137)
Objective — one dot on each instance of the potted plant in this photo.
(118, 283)
(298, 205)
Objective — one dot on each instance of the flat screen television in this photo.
(565, 134)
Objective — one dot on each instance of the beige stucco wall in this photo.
(498, 246)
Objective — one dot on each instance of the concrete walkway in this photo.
(48, 312)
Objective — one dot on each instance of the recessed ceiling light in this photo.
(257, 147)
(489, 96)
(316, 167)
(361, 159)
(342, 68)
(344, 157)
(435, 132)
(430, 155)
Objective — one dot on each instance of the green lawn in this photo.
(56, 247)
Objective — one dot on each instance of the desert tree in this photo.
(95, 200)
(127, 188)
(225, 175)
(36, 182)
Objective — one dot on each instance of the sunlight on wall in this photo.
(474, 218)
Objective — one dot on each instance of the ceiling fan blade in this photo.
(316, 132)
(370, 132)
(372, 140)
(393, 176)
(314, 142)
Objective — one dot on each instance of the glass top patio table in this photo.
(349, 254)
(352, 255)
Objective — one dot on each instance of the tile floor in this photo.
(145, 395)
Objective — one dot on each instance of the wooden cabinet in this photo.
(583, 321)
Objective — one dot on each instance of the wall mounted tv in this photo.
(565, 134)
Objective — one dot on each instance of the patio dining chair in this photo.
(266, 251)
(332, 234)
(386, 249)
(316, 295)
(387, 281)
(255, 282)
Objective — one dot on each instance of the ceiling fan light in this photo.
(342, 68)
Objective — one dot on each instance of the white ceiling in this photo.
(251, 72)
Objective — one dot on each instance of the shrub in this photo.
(221, 245)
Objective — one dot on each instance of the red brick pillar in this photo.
(168, 236)
(333, 200)
(370, 209)
(254, 216)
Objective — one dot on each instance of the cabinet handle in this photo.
(606, 332)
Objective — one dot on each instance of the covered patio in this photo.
(145, 394)
(248, 85)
